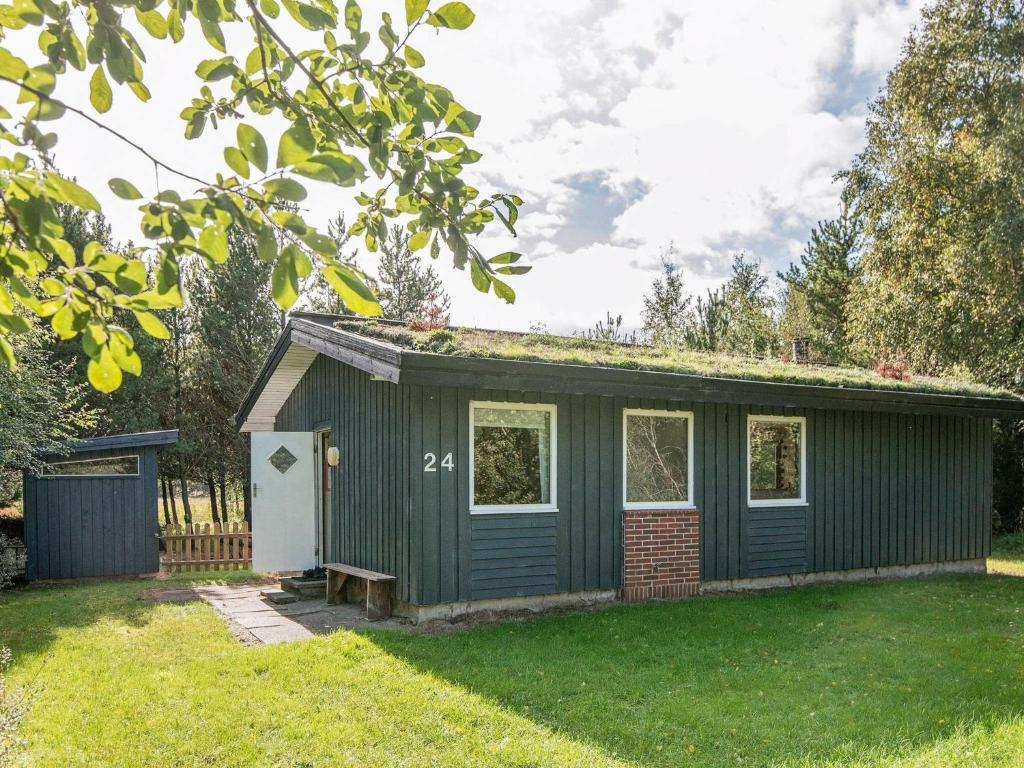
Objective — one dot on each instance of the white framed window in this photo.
(110, 466)
(776, 461)
(512, 449)
(657, 459)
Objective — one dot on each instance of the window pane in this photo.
(657, 458)
(117, 465)
(511, 456)
(774, 460)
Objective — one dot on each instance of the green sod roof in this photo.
(571, 350)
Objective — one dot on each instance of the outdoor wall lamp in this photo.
(333, 456)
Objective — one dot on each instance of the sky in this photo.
(632, 129)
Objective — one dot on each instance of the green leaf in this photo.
(141, 91)
(452, 16)
(63, 322)
(251, 142)
(503, 291)
(461, 120)
(297, 144)
(213, 34)
(270, 8)
(286, 189)
(100, 94)
(63, 249)
(151, 324)
(152, 22)
(174, 26)
(481, 280)
(353, 17)
(352, 288)
(7, 354)
(123, 352)
(284, 280)
(72, 193)
(266, 245)
(419, 240)
(11, 66)
(413, 57)
(236, 161)
(104, 374)
(414, 10)
(508, 257)
(216, 69)
(344, 170)
(124, 189)
(213, 241)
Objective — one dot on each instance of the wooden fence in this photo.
(207, 547)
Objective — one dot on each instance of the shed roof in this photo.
(132, 440)
(568, 365)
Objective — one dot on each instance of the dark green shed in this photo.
(558, 474)
(93, 512)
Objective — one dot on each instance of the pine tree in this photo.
(407, 289)
(824, 278)
(667, 308)
(749, 309)
(234, 323)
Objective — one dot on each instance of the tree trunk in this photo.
(167, 510)
(223, 498)
(186, 507)
(213, 498)
(174, 503)
(247, 475)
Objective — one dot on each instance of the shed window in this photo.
(512, 451)
(776, 460)
(105, 467)
(658, 460)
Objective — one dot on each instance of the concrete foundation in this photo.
(858, 574)
(533, 603)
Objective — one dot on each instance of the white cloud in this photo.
(722, 114)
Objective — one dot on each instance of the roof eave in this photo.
(127, 441)
(376, 358)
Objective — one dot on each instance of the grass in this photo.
(926, 672)
(544, 347)
(1008, 555)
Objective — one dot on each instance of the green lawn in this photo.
(1008, 555)
(926, 672)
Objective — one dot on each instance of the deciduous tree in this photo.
(352, 107)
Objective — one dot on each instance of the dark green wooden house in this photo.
(479, 466)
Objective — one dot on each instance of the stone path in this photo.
(256, 621)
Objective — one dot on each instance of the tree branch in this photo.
(103, 127)
(306, 70)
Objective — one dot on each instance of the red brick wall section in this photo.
(662, 554)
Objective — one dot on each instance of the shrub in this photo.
(893, 368)
(12, 710)
(12, 560)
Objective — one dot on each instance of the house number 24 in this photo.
(430, 462)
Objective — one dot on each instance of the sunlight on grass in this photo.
(1007, 555)
(920, 673)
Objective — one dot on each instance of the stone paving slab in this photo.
(257, 621)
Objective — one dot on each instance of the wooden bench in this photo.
(378, 588)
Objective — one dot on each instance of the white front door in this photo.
(284, 482)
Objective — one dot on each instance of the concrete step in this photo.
(305, 589)
(279, 596)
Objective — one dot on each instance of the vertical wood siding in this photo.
(882, 489)
(369, 524)
(93, 526)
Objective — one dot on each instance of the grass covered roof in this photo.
(572, 350)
